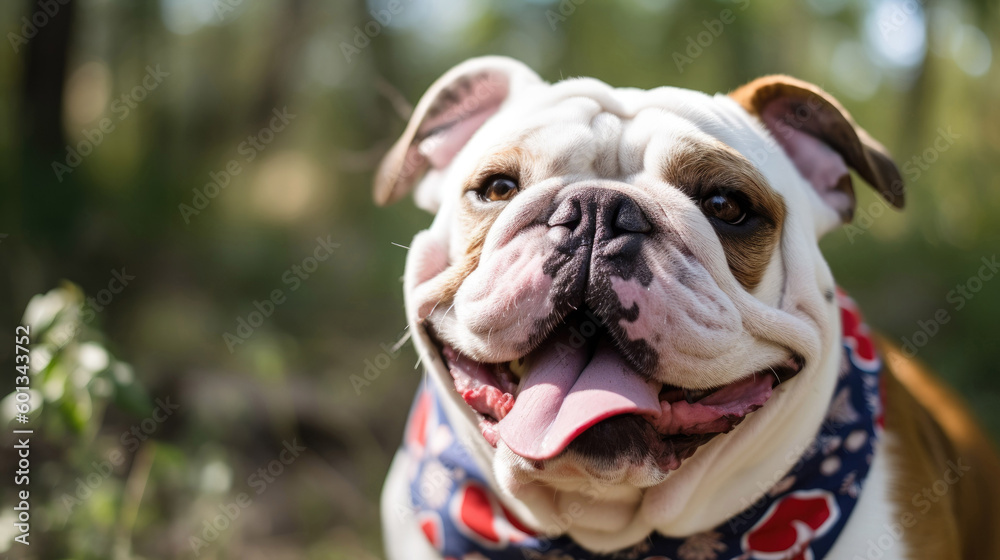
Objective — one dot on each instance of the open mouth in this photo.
(540, 403)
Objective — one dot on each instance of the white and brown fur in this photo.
(492, 115)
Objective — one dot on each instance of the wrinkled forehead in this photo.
(584, 126)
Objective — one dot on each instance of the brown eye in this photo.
(498, 188)
(724, 207)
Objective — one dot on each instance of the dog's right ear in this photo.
(822, 140)
(447, 116)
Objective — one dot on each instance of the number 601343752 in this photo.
(21, 356)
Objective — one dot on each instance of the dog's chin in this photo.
(628, 449)
(583, 408)
(623, 450)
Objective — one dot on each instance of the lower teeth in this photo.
(517, 367)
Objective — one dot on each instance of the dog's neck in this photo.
(821, 478)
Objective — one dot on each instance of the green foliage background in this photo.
(230, 64)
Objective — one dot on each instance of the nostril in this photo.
(567, 214)
(630, 218)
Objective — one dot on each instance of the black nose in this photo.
(601, 215)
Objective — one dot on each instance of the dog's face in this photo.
(616, 279)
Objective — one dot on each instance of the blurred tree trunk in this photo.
(45, 62)
(48, 205)
(277, 75)
(916, 111)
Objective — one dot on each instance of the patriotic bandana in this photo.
(799, 518)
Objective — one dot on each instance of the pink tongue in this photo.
(564, 395)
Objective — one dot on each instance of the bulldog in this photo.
(634, 348)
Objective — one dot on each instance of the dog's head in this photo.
(616, 279)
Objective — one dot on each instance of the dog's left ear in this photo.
(822, 140)
(452, 110)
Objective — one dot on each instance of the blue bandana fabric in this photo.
(799, 518)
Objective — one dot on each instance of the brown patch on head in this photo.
(513, 161)
(476, 221)
(702, 170)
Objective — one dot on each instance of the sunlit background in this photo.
(201, 151)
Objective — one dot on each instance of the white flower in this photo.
(439, 440)
(874, 402)
(435, 484)
(841, 410)
(850, 485)
(855, 440)
(829, 444)
(830, 465)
